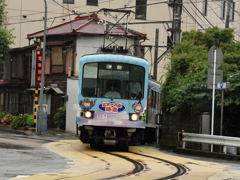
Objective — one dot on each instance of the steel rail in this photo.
(138, 167)
(181, 170)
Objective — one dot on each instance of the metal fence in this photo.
(224, 141)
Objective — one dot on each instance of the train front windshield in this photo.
(113, 80)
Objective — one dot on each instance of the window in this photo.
(68, 1)
(57, 60)
(141, 9)
(92, 2)
(222, 9)
(126, 81)
(232, 10)
(204, 7)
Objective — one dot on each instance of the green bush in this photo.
(22, 120)
(7, 118)
(30, 120)
(2, 114)
(19, 121)
(60, 118)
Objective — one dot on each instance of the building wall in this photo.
(71, 104)
(26, 16)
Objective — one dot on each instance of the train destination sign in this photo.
(111, 107)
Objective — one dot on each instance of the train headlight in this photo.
(134, 117)
(88, 114)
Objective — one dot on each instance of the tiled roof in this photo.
(85, 25)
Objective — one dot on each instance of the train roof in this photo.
(114, 58)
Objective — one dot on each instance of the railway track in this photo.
(181, 170)
(140, 167)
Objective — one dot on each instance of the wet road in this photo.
(51, 158)
(21, 156)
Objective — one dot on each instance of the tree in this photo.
(186, 83)
(6, 38)
(185, 88)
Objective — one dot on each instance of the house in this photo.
(66, 44)
(24, 17)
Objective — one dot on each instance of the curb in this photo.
(49, 133)
(7, 129)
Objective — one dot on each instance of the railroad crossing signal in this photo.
(39, 58)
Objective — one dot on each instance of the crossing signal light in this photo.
(38, 52)
(39, 78)
(39, 65)
(39, 58)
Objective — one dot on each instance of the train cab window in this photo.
(90, 80)
(126, 80)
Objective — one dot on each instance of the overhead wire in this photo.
(186, 10)
(83, 13)
(201, 13)
(126, 6)
(199, 16)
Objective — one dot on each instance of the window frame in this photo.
(232, 10)
(222, 9)
(68, 1)
(141, 9)
(98, 79)
(204, 7)
(92, 2)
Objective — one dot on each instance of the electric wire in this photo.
(201, 13)
(192, 17)
(197, 14)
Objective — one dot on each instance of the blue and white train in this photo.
(118, 103)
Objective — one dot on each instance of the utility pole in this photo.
(176, 5)
(156, 55)
(42, 126)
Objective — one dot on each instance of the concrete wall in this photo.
(71, 104)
